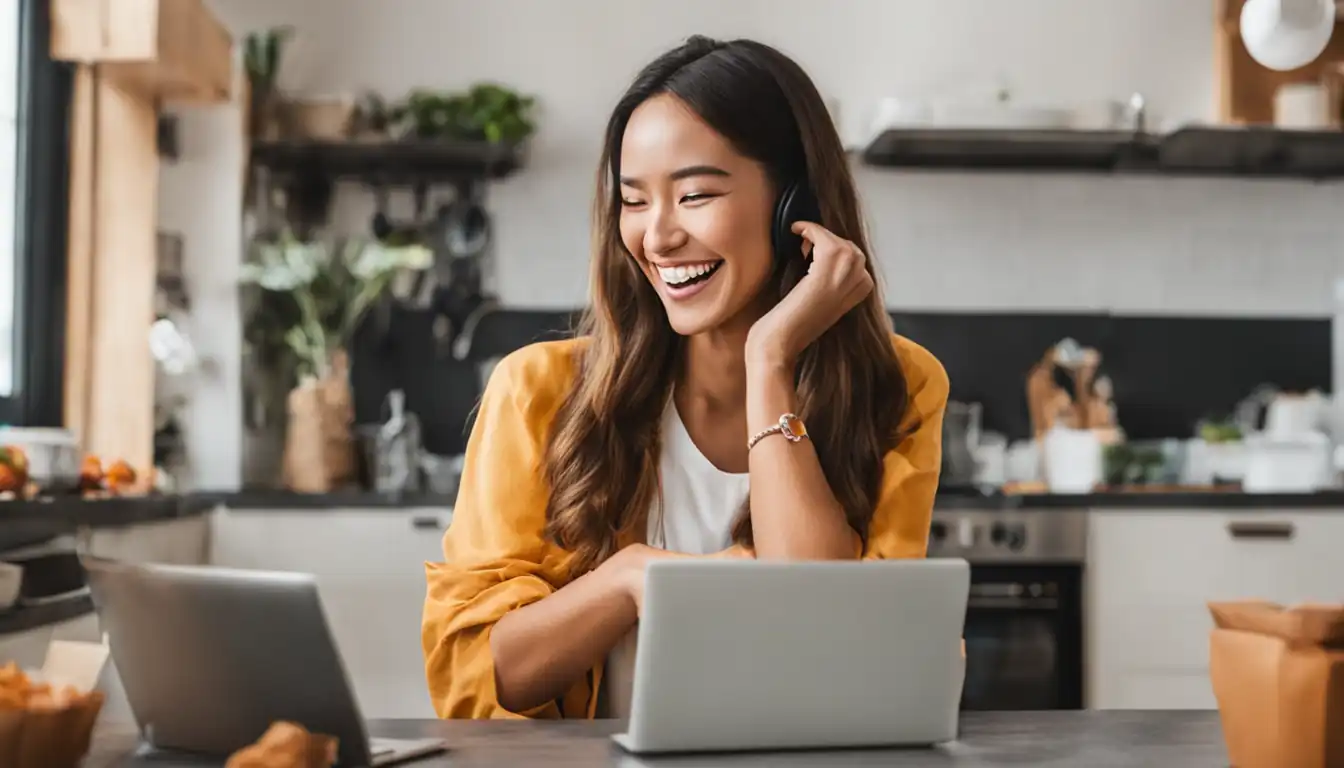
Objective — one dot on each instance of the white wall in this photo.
(945, 241)
(964, 241)
(200, 196)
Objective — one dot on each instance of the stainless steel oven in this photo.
(1024, 623)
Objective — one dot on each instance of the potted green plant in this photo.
(485, 112)
(314, 296)
(328, 289)
(263, 53)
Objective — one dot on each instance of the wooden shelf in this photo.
(1195, 151)
(390, 162)
(1010, 149)
(309, 169)
(1246, 89)
(165, 50)
(1253, 152)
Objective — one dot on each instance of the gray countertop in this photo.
(1191, 499)
(952, 500)
(27, 521)
(1040, 739)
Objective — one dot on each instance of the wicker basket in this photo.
(49, 737)
(320, 119)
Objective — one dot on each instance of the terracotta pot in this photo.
(320, 119)
(267, 116)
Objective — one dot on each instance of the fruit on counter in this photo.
(119, 477)
(91, 474)
(13, 469)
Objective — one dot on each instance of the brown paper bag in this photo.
(319, 444)
(1278, 676)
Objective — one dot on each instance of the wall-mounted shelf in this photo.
(1196, 151)
(1015, 149)
(390, 162)
(308, 169)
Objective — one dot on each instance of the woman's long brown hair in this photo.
(602, 457)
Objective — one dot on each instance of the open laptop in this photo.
(211, 657)
(751, 655)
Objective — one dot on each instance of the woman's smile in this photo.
(683, 281)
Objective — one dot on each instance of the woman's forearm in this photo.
(794, 513)
(541, 649)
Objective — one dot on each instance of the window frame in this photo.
(41, 225)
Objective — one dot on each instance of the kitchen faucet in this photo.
(462, 344)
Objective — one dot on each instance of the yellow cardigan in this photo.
(495, 554)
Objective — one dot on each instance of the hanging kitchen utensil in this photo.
(442, 330)
(468, 233)
(466, 336)
(436, 234)
(381, 225)
(426, 288)
(388, 229)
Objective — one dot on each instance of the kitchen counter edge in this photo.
(116, 512)
(1184, 500)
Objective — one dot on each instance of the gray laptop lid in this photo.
(210, 658)
(760, 655)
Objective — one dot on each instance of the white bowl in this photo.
(1286, 34)
(11, 581)
(53, 454)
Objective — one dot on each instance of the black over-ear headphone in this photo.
(796, 203)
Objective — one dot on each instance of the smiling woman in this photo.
(736, 391)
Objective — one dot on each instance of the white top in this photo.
(699, 504)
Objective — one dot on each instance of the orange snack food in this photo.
(286, 745)
(90, 474)
(43, 725)
(120, 475)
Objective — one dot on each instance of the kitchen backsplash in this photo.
(1168, 372)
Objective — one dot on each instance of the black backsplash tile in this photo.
(499, 333)
(987, 356)
(401, 352)
(1168, 372)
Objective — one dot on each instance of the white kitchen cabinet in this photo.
(370, 569)
(178, 541)
(1151, 573)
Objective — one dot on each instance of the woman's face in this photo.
(696, 216)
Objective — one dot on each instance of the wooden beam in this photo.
(79, 277)
(165, 50)
(113, 260)
(132, 56)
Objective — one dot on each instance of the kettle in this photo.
(961, 436)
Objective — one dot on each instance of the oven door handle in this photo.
(1260, 530)
(1013, 603)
